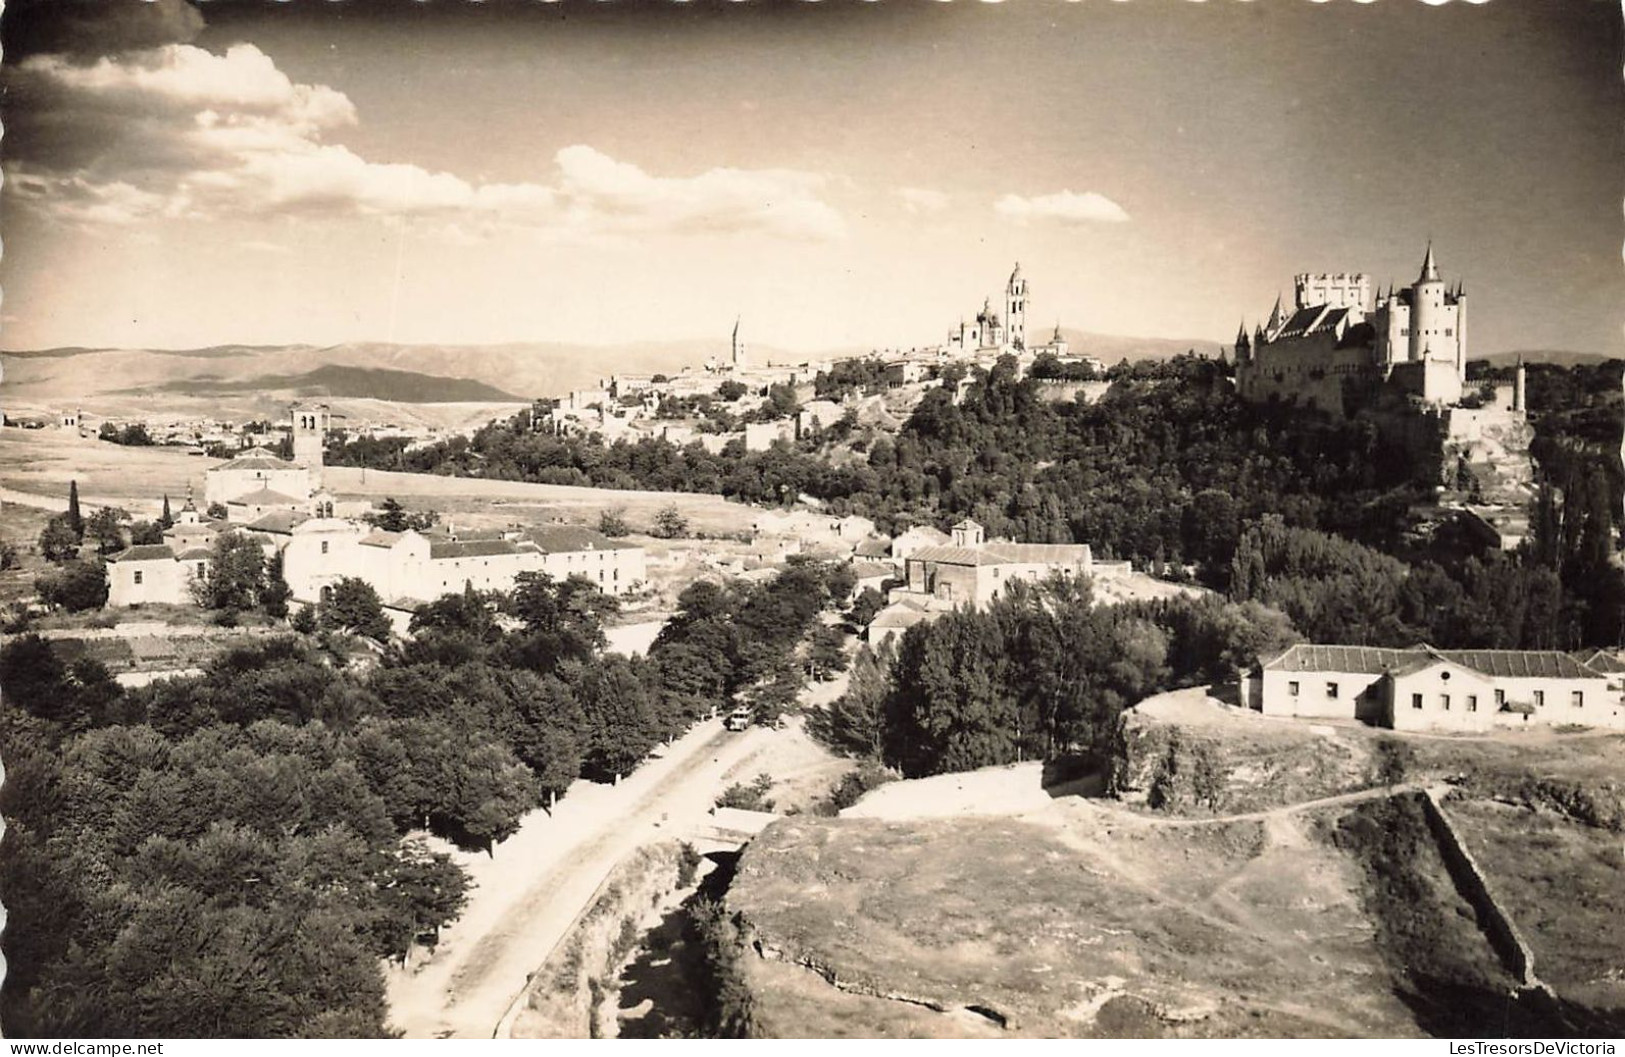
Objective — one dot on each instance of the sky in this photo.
(837, 174)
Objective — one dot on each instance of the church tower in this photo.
(310, 438)
(1015, 309)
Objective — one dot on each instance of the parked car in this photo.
(738, 719)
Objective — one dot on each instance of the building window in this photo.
(1472, 702)
(1292, 688)
(138, 576)
(1444, 702)
(324, 546)
(1578, 699)
(1540, 699)
(1416, 700)
(1331, 689)
(202, 570)
(1500, 698)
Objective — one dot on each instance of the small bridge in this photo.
(727, 829)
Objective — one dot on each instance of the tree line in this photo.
(230, 854)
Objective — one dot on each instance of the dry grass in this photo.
(1561, 882)
(1085, 925)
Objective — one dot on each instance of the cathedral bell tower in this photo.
(1015, 309)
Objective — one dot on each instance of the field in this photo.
(42, 462)
(1076, 923)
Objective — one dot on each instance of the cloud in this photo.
(97, 27)
(922, 200)
(1063, 207)
(178, 132)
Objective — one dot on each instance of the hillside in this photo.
(405, 387)
(1315, 902)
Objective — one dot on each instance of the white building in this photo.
(409, 567)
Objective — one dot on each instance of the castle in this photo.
(1340, 343)
(1399, 360)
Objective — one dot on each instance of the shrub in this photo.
(688, 864)
(748, 798)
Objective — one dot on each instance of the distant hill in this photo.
(413, 373)
(1114, 348)
(1560, 357)
(377, 383)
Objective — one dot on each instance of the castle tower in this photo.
(1244, 347)
(310, 423)
(1015, 309)
(1277, 320)
(1520, 382)
(1428, 316)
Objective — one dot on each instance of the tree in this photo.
(276, 592)
(612, 522)
(354, 606)
(304, 621)
(218, 511)
(76, 520)
(865, 606)
(144, 533)
(106, 528)
(8, 555)
(58, 541)
(235, 575)
(826, 653)
(166, 519)
(76, 586)
(391, 516)
(670, 523)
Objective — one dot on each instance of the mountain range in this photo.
(409, 374)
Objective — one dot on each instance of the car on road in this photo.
(738, 719)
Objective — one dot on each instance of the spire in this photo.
(1430, 270)
(1241, 334)
(1015, 274)
(1276, 317)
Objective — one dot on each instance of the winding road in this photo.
(538, 880)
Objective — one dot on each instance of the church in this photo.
(993, 334)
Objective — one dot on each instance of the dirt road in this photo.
(532, 888)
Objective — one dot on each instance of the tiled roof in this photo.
(257, 459)
(265, 497)
(1308, 657)
(144, 552)
(279, 521)
(560, 539)
(951, 555)
(470, 549)
(867, 569)
(1375, 660)
(381, 538)
(1522, 664)
(1601, 661)
(1005, 554)
(194, 554)
(1069, 553)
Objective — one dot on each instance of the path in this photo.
(538, 880)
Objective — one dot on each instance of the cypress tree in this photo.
(168, 519)
(76, 520)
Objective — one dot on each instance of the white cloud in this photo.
(180, 132)
(922, 200)
(1063, 207)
